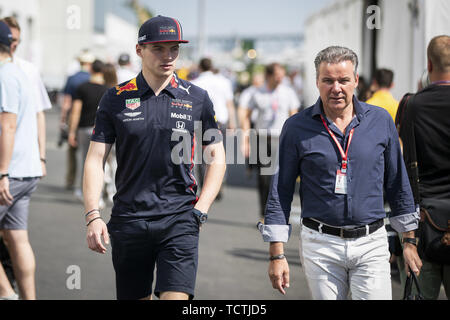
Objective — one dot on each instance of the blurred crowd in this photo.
(261, 99)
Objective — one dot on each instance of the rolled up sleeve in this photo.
(275, 233)
(405, 222)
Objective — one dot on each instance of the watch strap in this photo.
(277, 257)
(410, 240)
(202, 217)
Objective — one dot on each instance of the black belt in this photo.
(24, 178)
(341, 232)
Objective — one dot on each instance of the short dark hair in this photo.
(110, 75)
(12, 22)
(270, 68)
(336, 54)
(384, 77)
(205, 64)
(124, 59)
(438, 52)
(5, 49)
(97, 66)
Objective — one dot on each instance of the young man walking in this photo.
(156, 215)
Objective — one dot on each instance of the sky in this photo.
(239, 17)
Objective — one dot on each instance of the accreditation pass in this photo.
(341, 183)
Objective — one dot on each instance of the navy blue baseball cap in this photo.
(161, 29)
(5, 34)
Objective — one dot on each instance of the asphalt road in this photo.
(233, 258)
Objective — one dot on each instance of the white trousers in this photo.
(337, 268)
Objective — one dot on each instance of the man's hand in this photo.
(411, 258)
(279, 274)
(72, 140)
(44, 169)
(96, 230)
(6, 198)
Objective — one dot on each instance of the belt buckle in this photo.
(342, 233)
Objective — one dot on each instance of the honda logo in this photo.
(180, 125)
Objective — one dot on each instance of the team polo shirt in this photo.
(154, 138)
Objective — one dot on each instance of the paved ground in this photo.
(233, 258)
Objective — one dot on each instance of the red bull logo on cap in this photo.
(167, 30)
(130, 86)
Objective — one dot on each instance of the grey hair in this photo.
(336, 54)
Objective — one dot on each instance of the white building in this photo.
(398, 42)
(27, 14)
(54, 32)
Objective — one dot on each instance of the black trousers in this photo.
(267, 148)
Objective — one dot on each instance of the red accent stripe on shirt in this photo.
(190, 171)
(173, 82)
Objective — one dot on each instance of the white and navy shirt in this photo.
(273, 107)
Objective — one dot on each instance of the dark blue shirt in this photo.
(374, 163)
(149, 182)
(74, 81)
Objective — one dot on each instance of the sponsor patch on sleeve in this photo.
(129, 86)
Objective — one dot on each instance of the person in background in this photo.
(20, 169)
(382, 83)
(362, 91)
(296, 81)
(85, 59)
(40, 95)
(110, 76)
(424, 128)
(244, 99)
(40, 99)
(274, 102)
(124, 70)
(424, 81)
(82, 115)
(221, 94)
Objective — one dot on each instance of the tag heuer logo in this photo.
(133, 103)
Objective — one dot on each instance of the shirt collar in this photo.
(143, 86)
(172, 87)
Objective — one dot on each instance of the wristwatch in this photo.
(410, 240)
(2, 175)
(277, 257)
(202, 217)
